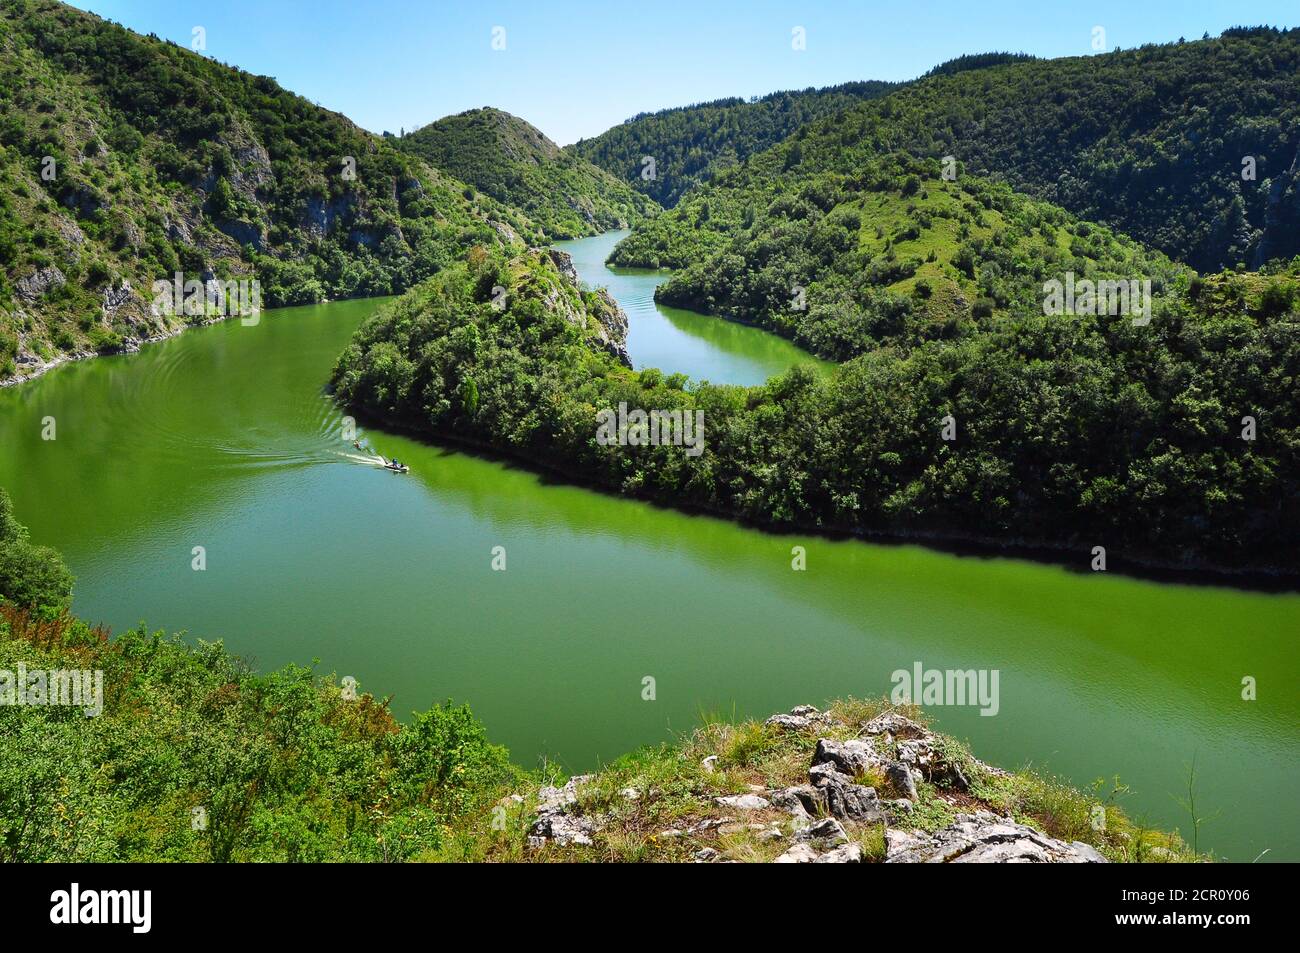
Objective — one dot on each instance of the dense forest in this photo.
(1190, 147)
(691, 144)
(1070, 432)
(843, 263)
(124, 158)
(515, 163)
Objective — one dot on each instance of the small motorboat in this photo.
(396, 467)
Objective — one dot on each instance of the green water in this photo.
(222, 438)
(723, 352)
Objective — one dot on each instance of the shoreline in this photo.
(129, 346)
(1276, 580)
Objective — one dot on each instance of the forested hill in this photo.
(512, 161)
(124, 158)
(1152, 141)
(843, 263)
(690, 144)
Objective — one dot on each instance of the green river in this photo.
(223, 438)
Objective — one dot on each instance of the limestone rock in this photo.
(848, 854)
(800, 718)
(33, 286)
(743, 802)
(985, 838)
(851, 757)
(798, 854)
(853, 802)
(827, 831)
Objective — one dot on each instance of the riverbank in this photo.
(1045, 552)
(129, 346)
(295, 766)
(947, 444)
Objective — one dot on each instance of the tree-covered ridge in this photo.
(1152, 141)
(513, 162)
(691, 144)
(426, 357)
(842, 262)
(959, 64)
(1067, 432)
(126, 158)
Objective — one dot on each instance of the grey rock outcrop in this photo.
(985, 838)
(555, 822)
(33, 286)
(800, 718)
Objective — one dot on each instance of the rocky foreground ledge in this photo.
(864, 782)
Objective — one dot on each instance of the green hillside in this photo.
(1150, 141)
(515, 163)
(124, 158)
(691, 144)
(842, 262)
(1065, 432)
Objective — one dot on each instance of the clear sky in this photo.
(576, 67)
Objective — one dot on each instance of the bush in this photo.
(30, 576)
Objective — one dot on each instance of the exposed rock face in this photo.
(800, 718)
(555, 824)
(320, 215)
(115, 298)
(985, 838)
(244, 232)
(564, 263)
(31, 288)
(611, 319)
(614, 323)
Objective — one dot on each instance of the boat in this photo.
(396, 467)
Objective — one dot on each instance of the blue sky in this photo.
(576, 67)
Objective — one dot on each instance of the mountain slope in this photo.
(691, 144)
(841, 263)
(513, 162)
(1149, 141)
(125, 159)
